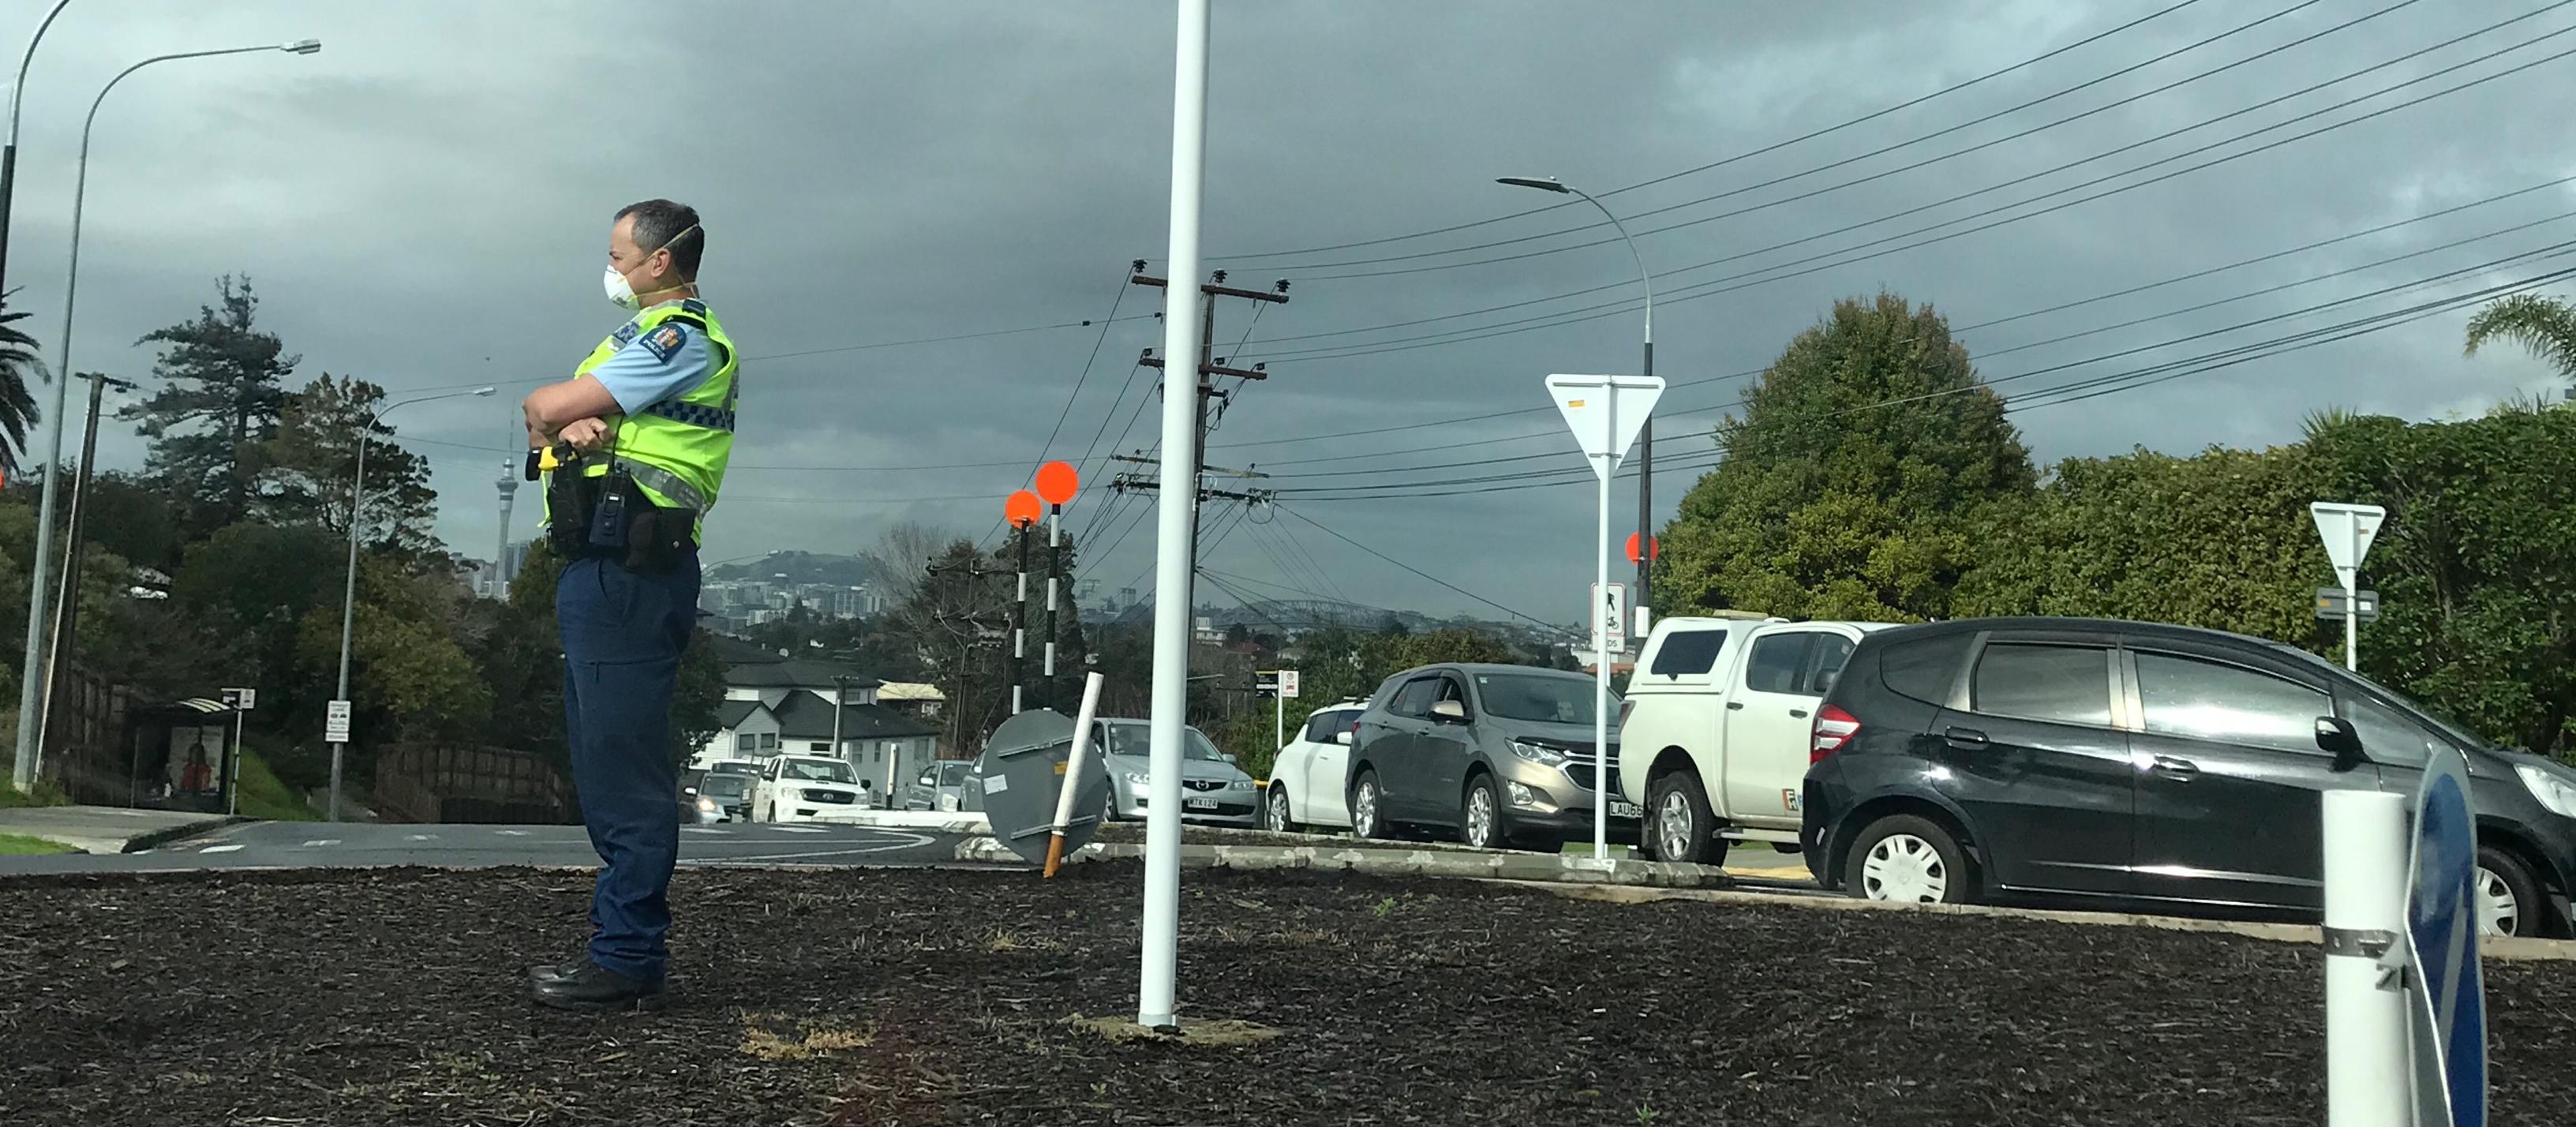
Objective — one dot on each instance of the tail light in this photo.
(1834, 728)
(1626, 707)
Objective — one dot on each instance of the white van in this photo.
(1716, 727)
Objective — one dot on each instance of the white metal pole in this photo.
(2352, 600)
(2368, 1071)
(1601, 639)
(1279, 720)
(232, 791)
(1162, 914)
(1073, 761)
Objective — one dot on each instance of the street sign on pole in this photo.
(335, 722)
(241, 700)
(2347, 530)
(2331, 602)
(1610, 618)
(1605, 413)
(2447, 1016)
(1288, 683)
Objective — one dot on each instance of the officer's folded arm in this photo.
(551, 408)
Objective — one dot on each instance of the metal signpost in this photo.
(2446, 1016)
(241, 701)
(2347, 531)
(1605, 413)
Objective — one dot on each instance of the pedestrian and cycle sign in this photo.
(1610, 617)
(335, 722)
(2448, 1010)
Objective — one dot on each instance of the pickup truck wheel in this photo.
(1909, 860)
(1678, 821)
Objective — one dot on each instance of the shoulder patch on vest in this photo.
(664, 340)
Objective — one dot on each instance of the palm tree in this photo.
(2545, 325)
(17, 404)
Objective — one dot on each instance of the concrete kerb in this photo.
(1647, 882)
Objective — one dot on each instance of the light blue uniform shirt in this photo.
(664, 364)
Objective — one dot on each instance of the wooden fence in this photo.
(441, 783)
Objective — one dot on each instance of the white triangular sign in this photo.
(1605, 412)
(2347, 531)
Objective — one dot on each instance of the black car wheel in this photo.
(2509, 901)
(1480, 817)
(1367, 804)
(1274, 810)
(1679, 823)
(1907, 859)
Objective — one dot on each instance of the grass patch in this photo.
(45, 794)
(265, 796)
(20, 845)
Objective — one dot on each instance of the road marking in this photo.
(322, 841)
(219, 849)
(904, 841)
(704, 830)
(419, 837)
(512, 833)
(800, 829)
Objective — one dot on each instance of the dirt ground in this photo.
(952, 997)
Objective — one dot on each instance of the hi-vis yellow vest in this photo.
(678, 448)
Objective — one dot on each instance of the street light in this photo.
(1646, 434)
(9, 154)
(349, 594)
(32, 677)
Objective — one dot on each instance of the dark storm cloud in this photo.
(425, 205)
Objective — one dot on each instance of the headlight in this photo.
(2552, 790)
(1543, 756)
(1239, 784)
(707, 805)
(1135, 778)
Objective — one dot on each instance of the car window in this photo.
(730, 786)
(1322, 726)
(2206, 700)
(1451, 689)
(819, 770)
(1773, 666)
(1415, 698)
(929, 778)
(1688, 653)
(1555, 699)
(2064, 684)
(1925, 668)
(2389, 736)
(953, 773)
(1824, 662)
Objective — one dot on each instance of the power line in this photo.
(1337, 535)
(1771, 148)
(1915, 140)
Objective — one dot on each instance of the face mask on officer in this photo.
(622, 292)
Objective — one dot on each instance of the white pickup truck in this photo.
(1715, 730)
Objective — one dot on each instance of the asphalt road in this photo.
(296, 845)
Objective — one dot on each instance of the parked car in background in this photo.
(1714, 731)
(805, 788)
(1310, 779)
(2144, 765)
(940, 786)
(723, 797)
(1213, 789)
(1496, 754)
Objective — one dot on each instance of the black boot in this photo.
(593, 988)
(549, 972)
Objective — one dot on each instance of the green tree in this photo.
(131, 518)
(2476, 580)
(249, 586)
(521, 658)
(700, 694)
(2545, 325)
(217, 409)
(1853, 475)
(2211, 540)
(409, 677)
(312, 460)
(17, 403)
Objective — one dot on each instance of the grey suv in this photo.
(1500, 754)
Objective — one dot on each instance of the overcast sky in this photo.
(425, 204)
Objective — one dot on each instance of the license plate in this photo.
(1619, 809)
(1198, 804)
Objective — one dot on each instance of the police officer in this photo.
(635, 446)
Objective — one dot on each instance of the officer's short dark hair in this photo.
(659, 223)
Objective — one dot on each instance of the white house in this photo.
(776, 705)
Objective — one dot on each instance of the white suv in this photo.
(1715, 730)
(1310, 779)
(806, 788)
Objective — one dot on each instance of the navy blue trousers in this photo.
(622, 637)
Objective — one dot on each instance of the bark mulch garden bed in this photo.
(970, 997)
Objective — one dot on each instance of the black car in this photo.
(2142, 764)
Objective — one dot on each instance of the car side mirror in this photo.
(1449, 710)
(692, 791)
(1343, 737)
(2336, 737)
(1229, 757)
